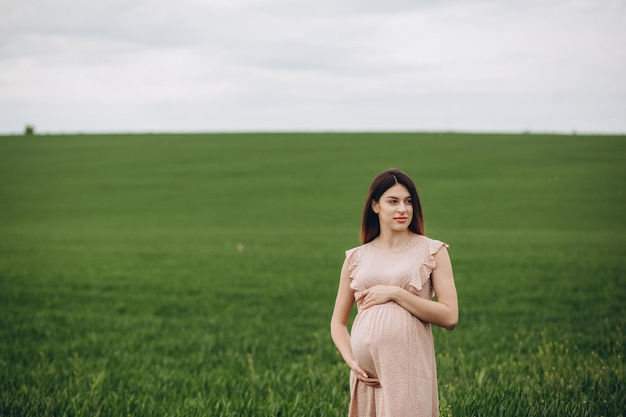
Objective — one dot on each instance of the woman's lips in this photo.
(400, 219)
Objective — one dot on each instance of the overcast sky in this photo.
(324, 65)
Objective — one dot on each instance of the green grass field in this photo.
(195, 275)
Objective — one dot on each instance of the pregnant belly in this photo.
(385, 331)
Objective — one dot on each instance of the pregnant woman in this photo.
(393, 277)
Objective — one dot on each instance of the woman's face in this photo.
(394, 209)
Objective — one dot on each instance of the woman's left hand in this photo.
(378, 294)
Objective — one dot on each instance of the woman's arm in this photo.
(444, 312)
(339, 325)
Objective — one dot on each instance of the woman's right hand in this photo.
(362, 375)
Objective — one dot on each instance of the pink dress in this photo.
(389, 342)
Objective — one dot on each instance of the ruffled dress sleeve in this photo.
(422, 277)
(433, 247)
(353, 258)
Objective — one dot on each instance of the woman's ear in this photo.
(375, 206)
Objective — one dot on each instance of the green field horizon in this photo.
(195, 274)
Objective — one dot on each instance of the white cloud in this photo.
(301, 65)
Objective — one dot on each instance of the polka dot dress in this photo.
(389, 342)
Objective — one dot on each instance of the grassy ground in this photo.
(194, 275)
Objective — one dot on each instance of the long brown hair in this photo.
(370, 225)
